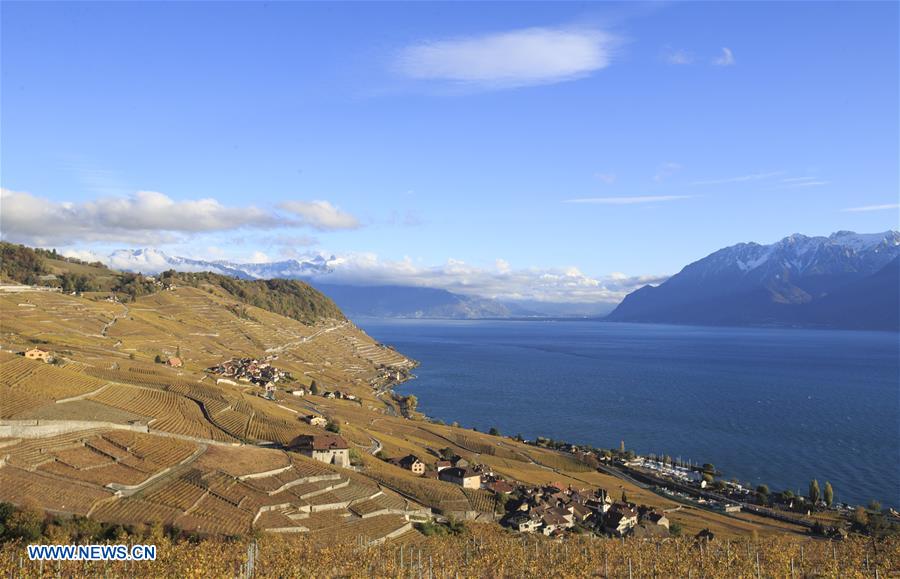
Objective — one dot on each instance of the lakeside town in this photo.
(556, 509)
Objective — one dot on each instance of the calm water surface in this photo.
(774, 406)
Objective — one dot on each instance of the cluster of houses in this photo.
(338, 395)
(554, 509)
(455, 470)
(160, 284)
(250, 370)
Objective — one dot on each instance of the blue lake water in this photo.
(775, 406)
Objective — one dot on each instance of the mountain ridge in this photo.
(775, 284)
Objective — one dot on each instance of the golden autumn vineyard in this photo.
(485, 551)
(139, 414)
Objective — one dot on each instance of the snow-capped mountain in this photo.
(365, 301)
(749, 283)
(154, 261)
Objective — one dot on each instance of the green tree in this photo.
(333, 427)
(25, 523)
(814, 491)
(411, 403)
(624, 496)
(313, 388)
(874, 506)
(829, 494)
(762, 492)
(494, 432)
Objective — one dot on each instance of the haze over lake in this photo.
(764, 405)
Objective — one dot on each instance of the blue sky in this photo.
(593, 145)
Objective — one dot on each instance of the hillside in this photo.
(292, 298)
(147, 442)
(840, 281)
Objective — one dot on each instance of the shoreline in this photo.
(396, 395)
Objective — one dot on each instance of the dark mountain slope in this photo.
(798, 281)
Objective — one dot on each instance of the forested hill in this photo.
(290, 298)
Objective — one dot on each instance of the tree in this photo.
(762, 491)
(624, 496)
(411, 403)
(25, 523)
(158, 359)
(313, 388)
(707, 477)
(860, 517)
(333, 427)
(829, 494)
(814, 491)
(874, 506)
(494, 432)
(178, 352)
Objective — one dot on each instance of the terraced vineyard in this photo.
(169, 412)
(439, 495)
(189, 471)
(29, 384)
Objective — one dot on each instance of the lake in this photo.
(773, 406)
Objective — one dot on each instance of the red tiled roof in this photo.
(322, 442)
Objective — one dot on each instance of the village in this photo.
(552, 510)
(251, 370)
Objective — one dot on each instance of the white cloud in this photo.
(797, 182)
(144, 217)
(726, 58)
(259, 257)
(516, 58)
(679, 57)
(563, 284)
(866, 208)
(498, 280)
(147, 218)
(628, 200)
(740, 178)
(666, 170)
(320, 215)
(608, 178)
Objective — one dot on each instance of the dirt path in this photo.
(105, 331)
(309, 338)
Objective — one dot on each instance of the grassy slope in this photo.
(201, 321)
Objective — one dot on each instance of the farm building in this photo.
(461, 476)
(327, 448)
(411, 463)
(316, 420)
(38, 354)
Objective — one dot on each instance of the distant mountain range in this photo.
(845, 280)
(154, 261)
(354, 300)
